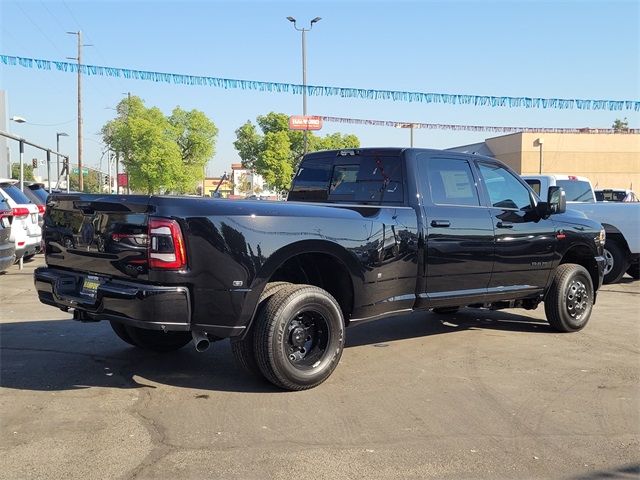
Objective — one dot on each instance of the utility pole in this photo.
(79, 59)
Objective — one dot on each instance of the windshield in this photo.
(16, 194)
(576, 190)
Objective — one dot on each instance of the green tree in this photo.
(91, 182)
(161, 154)
(195, 135)
(274, 151)
(620, 125)
(27, 171)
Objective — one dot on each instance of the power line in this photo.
(95, 46)
(38, 28)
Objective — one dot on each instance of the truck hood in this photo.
(575, 217)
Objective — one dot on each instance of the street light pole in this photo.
(540, 143)
(304, 68)
(20, 120)
(58, 135)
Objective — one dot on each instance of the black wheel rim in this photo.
(577, 299)
(306, 339)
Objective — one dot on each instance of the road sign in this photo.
(85, 171)
(299, 122)
(122, 179)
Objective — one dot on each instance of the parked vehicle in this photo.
(620, 220)
(7, 246)
(616, 195)
(25, 231)
(364, 234)
(38, 195)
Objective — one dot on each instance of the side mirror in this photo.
(556, 200)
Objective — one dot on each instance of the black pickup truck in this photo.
(364, 233)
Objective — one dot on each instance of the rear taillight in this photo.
(166, 245)
(20, 212)
(42, 209)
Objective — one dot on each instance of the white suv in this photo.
(25, 231)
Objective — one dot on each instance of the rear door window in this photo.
(451, 182)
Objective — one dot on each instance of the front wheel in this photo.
(617, 262)
(569, 301)
(634, 271)
(299, 337)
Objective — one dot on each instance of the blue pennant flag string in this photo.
(323, 91)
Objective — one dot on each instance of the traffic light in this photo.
(34, 163)
(106, 180)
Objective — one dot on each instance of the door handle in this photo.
(504, 224)
(440, 223)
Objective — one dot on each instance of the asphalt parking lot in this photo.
(474, 395)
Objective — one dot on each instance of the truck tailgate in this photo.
(99, 234)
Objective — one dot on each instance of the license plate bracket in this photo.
(90, 285)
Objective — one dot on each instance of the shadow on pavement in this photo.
(625, 471)
(67, 355)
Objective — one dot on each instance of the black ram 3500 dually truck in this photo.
(364, 233)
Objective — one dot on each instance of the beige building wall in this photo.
(608, 160)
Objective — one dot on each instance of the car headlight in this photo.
(601, 238)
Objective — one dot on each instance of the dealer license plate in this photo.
(90, 286)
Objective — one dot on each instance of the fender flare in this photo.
(279, 257)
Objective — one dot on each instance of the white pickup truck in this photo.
(620, 220)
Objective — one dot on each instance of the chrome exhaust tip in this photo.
(200, 341)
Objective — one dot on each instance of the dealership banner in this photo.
(323, 91)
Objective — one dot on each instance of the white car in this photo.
(25, 231)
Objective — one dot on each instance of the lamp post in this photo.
(58, 135)
(20, 120)
(540, 143)
(304, 67)
(409, 126)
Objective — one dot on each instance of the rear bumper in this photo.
(140, 305)
(7, 255)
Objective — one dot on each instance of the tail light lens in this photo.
(42, 209)
(20, 212)
(166, 245)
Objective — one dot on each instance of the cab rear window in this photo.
(367, 179)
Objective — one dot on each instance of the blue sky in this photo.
(570, 49)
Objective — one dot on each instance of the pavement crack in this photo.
(160, 447)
